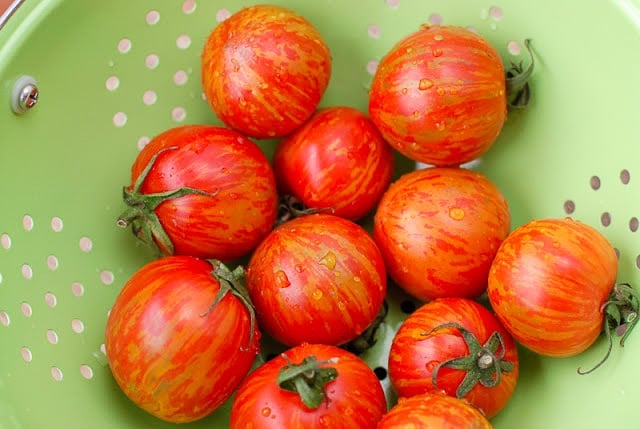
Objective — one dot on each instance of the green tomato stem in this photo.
(308, 379)
(517, 81)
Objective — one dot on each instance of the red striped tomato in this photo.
(433, 411)
(264, 70)
(202, 191)
(439, 95)
(171, 352)
(439, 229)
(317, 279)
(548, 283)
(457, 346)
(336, 160)
(341, 392)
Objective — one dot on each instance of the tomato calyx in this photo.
(367, 339)
(290, 207)
(621, 311)
(308, 379)
(141, 214)
(517, 81)
(233, 282)
(484, 364)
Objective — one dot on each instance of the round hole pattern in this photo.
(595, 183)
(124, 45)
(77, 289)
(149, 97)
(112, 83)
(26, 308)
(435, 19)
(374, 31)
(496, 13)
(183, 41)
(372, 66)
(393, 3)
(143, 141)
(625, 176)
(5, 320)
(120, 119)
(180, 77)
(26, 354)
(52, 262)
(106, 277)
(52, 337)
(86, 371)
(514, 47)
(27, 271)
(56, 373)
(189, 6)
(56, 224)
(380, 372)
(633, 224)
(85, 244)
(77, 326)
(27, 223)
(153, 17)
(152, 61)
(50, 299)
(178, 114)
(5, 241)
(222, 15)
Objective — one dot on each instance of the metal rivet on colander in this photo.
(25, 94)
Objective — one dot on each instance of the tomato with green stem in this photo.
(181, 336)
(553, 286)
(201, 191)
(310, 386)
(458, 346)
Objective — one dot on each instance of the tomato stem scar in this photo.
(308, 379)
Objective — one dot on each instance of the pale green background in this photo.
(66, 159)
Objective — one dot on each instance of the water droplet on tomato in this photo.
(441, 91)
(282, 280)
(404, 90)
(328, 260)
(317, 294)
(234, 196)
(438, 37)
(299, 268)
(456, 213)
(341, 305)
(436, 52)
(424, 84)
(266, 411)
(431, 365)
(324, 421)
(555, 244)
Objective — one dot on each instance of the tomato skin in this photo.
(264, 70)
(439, 229)
(414, 356)
(439, 95)
(336, 160)
(433, 411)
(220, 161)
(318, 279)
(548, 282)
(166, 350)
(355, 397)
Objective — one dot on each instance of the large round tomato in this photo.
(264, 70)
(433, 411)
(548, 283)
(318, 279)
(439, 95)
(310, 386)
(458, 346)
(202, 191)
(336, 160)
(439, 229)
(172, 352)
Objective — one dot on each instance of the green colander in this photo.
(85, 84)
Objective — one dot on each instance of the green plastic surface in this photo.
(574, 150)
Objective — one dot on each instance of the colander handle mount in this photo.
(13, 7)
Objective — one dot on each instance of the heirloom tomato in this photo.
(201, 191)
(336, 160)
(318, 278)
(310, 386)
(439, 95)
(549, 285)
(457, 346)
(433, 411)
(264, 70)
(438, 229)
(180, 339)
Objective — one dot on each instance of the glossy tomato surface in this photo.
(171, 353)
(416, 352)
(354, 399)
(318, 279)
(439, 229)
(433, 411)
(336, 160)
(548, 283)
(439, 95)
(264, 70)
(241, 201)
